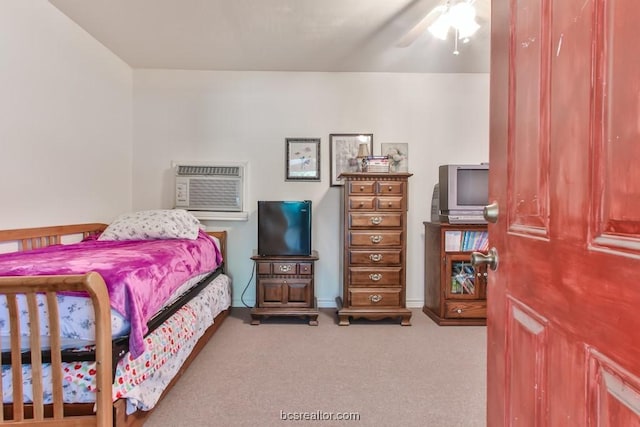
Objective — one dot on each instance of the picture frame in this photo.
(398, 153)
(343, 149)
(302, 159)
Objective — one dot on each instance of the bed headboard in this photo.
(41, 237)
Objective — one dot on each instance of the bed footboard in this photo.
(37, 412)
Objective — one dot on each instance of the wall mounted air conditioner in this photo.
(209, 188)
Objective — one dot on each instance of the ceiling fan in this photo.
(456, 15)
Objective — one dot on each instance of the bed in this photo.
(40, 357)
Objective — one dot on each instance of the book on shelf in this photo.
(466, 240)
(452, 240)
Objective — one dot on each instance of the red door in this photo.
(564, 303)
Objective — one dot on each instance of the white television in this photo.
(463, 193)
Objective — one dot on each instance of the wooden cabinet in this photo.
(454, 291)
(284, 287)
(374, 249)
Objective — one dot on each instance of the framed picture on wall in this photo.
(343, 149)
(398, 154)
(302, 159)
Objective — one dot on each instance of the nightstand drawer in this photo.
(374, 220)
(373, 297)
(373, 258)
(286, 268)
(463, 309)
(263, 267)
(376, 238)
(305, 268)
(372, 276)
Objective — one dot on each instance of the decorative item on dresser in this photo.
(375, 224)
(284, 287)
(454, 291)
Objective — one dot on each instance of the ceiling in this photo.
(278, 35)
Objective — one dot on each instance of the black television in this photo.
(284, 227)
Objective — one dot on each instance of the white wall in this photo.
(65, 121)
(246, 116)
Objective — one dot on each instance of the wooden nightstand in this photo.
(284, 287)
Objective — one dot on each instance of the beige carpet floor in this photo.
(378, 372)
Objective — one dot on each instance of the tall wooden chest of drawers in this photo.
(374, 252)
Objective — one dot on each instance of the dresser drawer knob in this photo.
(361, 204)
(375, 298)
(375, 276)
(459, 311)
(285, 268)
(376, 239)
(376, 220)
(390, 188)
(390, 204)
(375, 257)
(362, 188)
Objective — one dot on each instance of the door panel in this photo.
(616, 137)
(613, 393)
(527, 344)
(563, 329)
(529, 122)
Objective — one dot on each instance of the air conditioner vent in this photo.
(210, 187)
(190, 170)
(215, 194)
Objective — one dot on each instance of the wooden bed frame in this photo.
(107, 412)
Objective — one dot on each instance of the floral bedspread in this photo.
(140, 274)
(140, 380)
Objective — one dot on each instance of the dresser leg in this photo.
(406, 320)
(255, 319)
(344, 320)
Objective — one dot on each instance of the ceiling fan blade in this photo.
(419, 28)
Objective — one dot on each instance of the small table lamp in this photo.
(363, 153)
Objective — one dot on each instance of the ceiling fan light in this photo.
(467, 28)
(440, 27)
(462, 12)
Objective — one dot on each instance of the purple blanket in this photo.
(140, 274)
